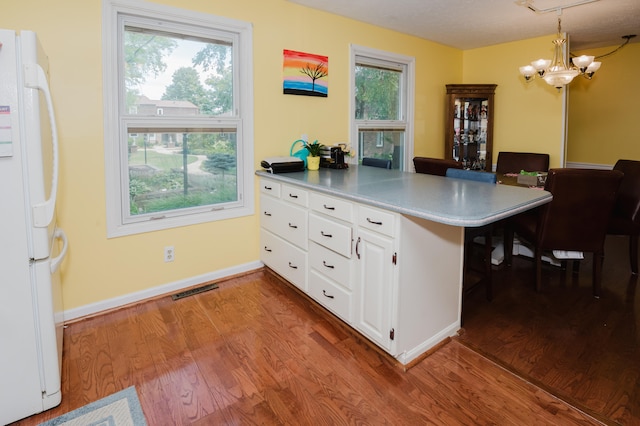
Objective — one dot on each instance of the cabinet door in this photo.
(469, 128)
(374, 255)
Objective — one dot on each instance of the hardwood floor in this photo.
(583, 350)
(255, 351)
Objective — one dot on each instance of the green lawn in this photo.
(161, 161)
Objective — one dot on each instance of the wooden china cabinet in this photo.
(469, 127)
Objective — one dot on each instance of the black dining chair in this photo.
(470, 234)
(576, 219)
(434, 166)
(376, 162)
(625, 218)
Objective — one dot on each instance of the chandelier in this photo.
(556, 72)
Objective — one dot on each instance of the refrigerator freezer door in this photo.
(20, 390)
(48, 330)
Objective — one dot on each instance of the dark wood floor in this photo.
(255, 351)
(585, 351)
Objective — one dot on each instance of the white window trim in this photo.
(112, 146)
(409, 101)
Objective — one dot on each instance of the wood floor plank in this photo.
(256, 351)
(581, 349)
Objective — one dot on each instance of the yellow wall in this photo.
(98, 268)
(603, 117)
(528, 116)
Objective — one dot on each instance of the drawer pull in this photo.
(268, 188)
(358, 245)
(293, 196)
(293, 226)
(374, 222)
(327, 295)
(326, 235)
(328, 207)
(267, 214)
(267, 249)
(292, 266)
(327, 265)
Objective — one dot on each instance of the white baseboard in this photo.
(572, 165)
(116, 302)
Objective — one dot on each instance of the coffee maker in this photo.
(332, 157)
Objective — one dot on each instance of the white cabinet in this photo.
(376, 277)
(396, 279)
(330, 247)
(284, 230)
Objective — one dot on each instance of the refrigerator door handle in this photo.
(56, 261)
(35, 78)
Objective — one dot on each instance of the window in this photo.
(382, 87)
(178, 117)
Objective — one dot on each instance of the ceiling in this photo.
(468, 24)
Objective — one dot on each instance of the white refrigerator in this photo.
(31, 246)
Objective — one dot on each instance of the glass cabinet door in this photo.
(469, 127)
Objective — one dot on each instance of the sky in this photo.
(154, 88)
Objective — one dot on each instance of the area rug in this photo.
(120, 409)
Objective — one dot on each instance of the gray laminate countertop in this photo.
(440, 199)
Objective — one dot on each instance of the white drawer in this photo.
(284, 258)
(331, 296)
(331, 264)
(295, 195)
(270, 187)
(330, 234)
(269, 213)
(284, 220)
(376, 220)
(330, 206)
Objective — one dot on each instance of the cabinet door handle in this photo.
(293, 226)
(268, 188)
(374, 222)
(326, 235)
(292, 266)
(327, 295)
(358, 245)
(267, 214)
(293, 196)
(267, 249)
(326, 265)
(328, 207)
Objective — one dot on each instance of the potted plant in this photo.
(313, 161)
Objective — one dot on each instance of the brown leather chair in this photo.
(625, 218)
(575, 220)
(434, 166)
(514, 162)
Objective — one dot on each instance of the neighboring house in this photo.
(146, 106)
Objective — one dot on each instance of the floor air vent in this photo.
(193, 291)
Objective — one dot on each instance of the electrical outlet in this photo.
(169, 254)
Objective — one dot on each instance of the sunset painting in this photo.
(305, 74)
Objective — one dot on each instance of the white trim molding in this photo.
(139, 296)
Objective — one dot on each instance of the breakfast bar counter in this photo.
(444, 200)
(382, 250)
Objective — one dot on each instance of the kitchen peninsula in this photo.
(381, 249)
